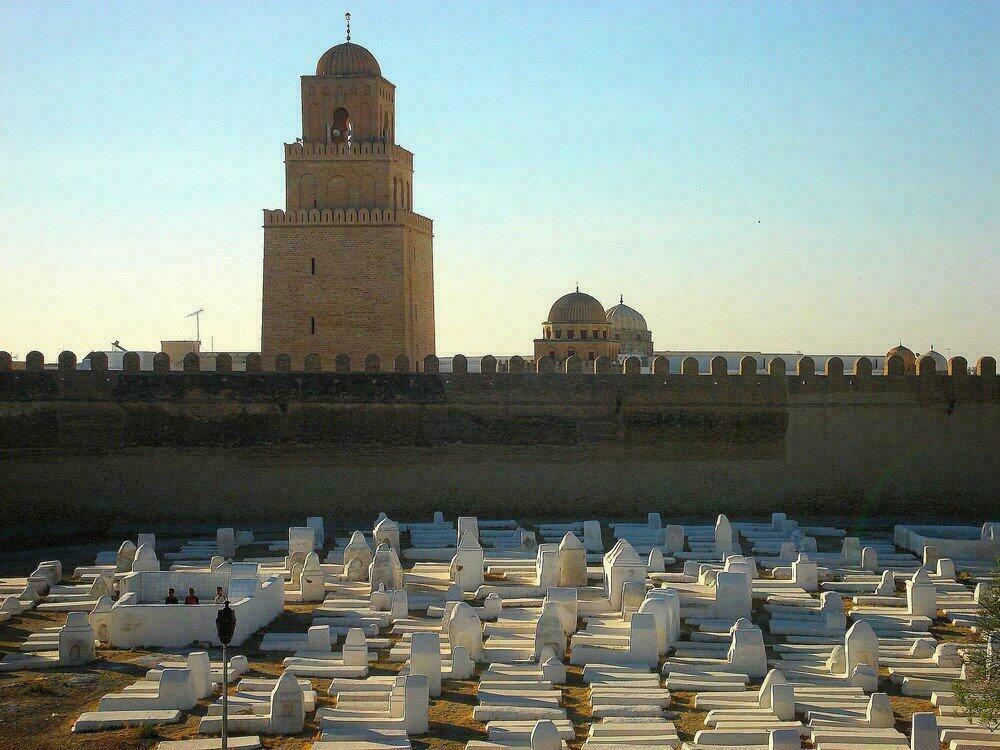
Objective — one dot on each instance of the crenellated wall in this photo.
(361, 216)
(162, 444)
(311, 151)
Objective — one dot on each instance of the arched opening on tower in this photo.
(339, 130)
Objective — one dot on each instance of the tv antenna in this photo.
(118, 346)
(197, 322)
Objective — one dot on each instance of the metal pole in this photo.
(225, 697)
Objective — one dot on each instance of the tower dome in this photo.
(348, 59)
(626, 318)
(577, 307)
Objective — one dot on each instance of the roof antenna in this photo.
(347, 16)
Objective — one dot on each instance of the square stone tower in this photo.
(348, 265)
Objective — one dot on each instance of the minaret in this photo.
(348, 265)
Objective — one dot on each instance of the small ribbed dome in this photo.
(623, 317)
(939, 359)
(348, 59)
(577, 307)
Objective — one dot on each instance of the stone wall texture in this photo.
(332, 288)
(112, 446)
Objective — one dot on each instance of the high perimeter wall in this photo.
(99, 447)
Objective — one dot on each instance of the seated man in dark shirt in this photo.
(171, 597)
(191, 598)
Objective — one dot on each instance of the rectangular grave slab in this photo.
(95, 721)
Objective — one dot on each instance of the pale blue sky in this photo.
(777, 176)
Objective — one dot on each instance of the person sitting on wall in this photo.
(220, 597)
(191, 598)
(171, 597)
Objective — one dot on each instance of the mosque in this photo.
(348, 270)
(348, 278)
(578, 325)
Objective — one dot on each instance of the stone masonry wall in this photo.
(95, 447)
(355, 294)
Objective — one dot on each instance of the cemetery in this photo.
(496, 634)
(322, 535)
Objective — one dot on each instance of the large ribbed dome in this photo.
(625, 318)
(904, 353)
(348, 59)
(907, 354)
(577, 307)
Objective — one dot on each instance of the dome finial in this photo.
(621, 299)
(347, 17)
(578, 286)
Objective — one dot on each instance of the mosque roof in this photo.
(577, 307)
(626, 318)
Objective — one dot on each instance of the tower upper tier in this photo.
(348, 100)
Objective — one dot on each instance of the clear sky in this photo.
(786, 176)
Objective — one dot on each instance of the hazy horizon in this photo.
(774, 177)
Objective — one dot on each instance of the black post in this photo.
(225, 623)
(225, 697)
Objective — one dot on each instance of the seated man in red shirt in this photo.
(191, 598)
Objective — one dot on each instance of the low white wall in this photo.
(133, 624)
(151, 587)
(961, 542)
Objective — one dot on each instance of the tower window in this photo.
(312, 325)
(339, 130)
(312, 266)
(569, 333)
(558, 333)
